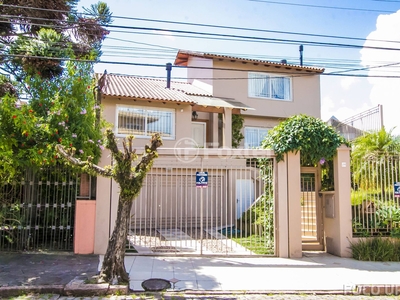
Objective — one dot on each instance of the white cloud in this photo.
(167, 34)
(347, 82)
(385, 91)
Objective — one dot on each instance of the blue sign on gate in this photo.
(201, 179)
(397, 189)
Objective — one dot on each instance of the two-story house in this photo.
(198, 114)
(263, 92)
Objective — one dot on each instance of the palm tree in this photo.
(373, 158)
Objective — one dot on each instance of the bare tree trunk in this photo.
(113, 268)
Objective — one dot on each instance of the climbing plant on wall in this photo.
(316, 141)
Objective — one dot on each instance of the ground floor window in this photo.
(253, 136)
(144, 121)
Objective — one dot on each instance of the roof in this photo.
(220, 102)
(127, 86)
(183, 56)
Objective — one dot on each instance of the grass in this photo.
(376, 249)
(255, 243)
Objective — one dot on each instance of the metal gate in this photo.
(311, 210)
(37, 213)
(232, 214)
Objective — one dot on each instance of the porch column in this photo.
(338, 229)
(227, 128)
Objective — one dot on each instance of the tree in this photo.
(373, 153)
(48, 51)
(314, 139)
(130, 179)
(47, 87)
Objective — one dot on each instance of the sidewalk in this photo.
(314, 272)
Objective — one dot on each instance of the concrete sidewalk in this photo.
(314, 272)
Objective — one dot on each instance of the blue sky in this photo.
(342, 96)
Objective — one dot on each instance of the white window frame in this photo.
(246, 134)
(255, 85)
(145, 132)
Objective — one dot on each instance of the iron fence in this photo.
(37, 211)
(374, 198)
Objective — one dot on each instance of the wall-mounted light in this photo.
(194, 115)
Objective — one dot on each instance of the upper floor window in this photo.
(145, 121)
(253, 136)
(262, 85)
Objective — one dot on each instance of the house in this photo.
(347, 131)
(263, 92)
(196, 116)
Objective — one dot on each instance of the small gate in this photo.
(311, 210)
(233, 214)
(37, 213)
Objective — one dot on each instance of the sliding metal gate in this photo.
(231, 214)
(37, 212)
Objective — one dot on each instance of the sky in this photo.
(357, 40)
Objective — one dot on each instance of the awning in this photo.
(219, 102)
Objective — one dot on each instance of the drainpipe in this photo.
(169, 68)
(98, 89)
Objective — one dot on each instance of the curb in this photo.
(11, 291)
(76, 287)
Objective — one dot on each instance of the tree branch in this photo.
(87, 164)
(150, 154)
(112, 145)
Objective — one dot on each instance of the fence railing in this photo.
(231, 214)
(375, 202)
(37, 211)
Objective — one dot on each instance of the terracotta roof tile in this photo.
(148, 88)
(183, 56)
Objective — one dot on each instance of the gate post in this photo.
(294, 205)
(289, 207)
(338, 229)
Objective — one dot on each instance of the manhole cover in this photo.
(156, 285)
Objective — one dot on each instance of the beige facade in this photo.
(217, 85)
(228, 77)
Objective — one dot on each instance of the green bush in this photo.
(376, 249)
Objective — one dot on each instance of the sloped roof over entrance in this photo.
(125, 86)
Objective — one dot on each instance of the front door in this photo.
(311, 210)
(199, 133)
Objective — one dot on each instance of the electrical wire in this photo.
(212, 68)
(322, 6)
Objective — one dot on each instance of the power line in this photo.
(206, 68)
(240, 37)
(226, 27)
(322, 6)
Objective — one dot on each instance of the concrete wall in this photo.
(288, 207)
(337, 213)
(305, 90)
(183, 118)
